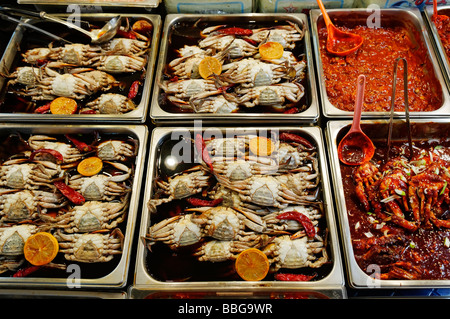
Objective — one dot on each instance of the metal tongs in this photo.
(31, 26)
(405, 89)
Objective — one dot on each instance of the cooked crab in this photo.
(111, 103)
(90, 247)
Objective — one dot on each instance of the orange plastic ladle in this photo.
(339, 43)
(356, 147)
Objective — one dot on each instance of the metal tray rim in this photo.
(157, 114)
(357, 278)
(332, 112)
(335, 278)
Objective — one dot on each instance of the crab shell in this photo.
(120, 63)
(12, 239)
(90, 247)
(112, 103)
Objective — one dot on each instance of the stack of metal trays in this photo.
(99, 261)
(165, 267)
(185, 30)
(22, 102)
(383, 253)
(413, 26)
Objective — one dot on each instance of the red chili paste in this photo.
(375, 59)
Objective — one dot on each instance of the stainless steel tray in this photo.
(135, 3)
(138, 115)
(161, 114)
(143, 280)
(437, 44)
(357, 278)
(413, 19)
(117, 277)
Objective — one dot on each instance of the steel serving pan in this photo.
(423, 129)
(412, 19)
(162, 140)
(115, 277)
(161, 114)
(437, 44)
(11, 57)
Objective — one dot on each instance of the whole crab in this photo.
(188, 183)
(286, 35)
(251, 72)
(52, 83)
(69, 153)
(225, 223)
(76, 54)
(242, 169)
(111, 103)
(101, 186)
(235, 47)
(18, 206)
(177, 231)
(26, 75)
(124, 46)
(272, 95)
(264, 191)
(93, 216)
(179, 92)
(212, 102)
(25, 174)
(222, 250)
(314, 214)
(285, 252)
(115, 150)
(90, 247)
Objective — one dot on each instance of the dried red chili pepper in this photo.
(69, 193)
(294, 277)
(81, 146)
(302, 219)
(125, 34)
(26, 271)
(88, 112)
(57, 155)
(204, 202)
(43, 109)
(289, 137)
(201, 148)
(134, 89)
(292, 110)
(236, 31)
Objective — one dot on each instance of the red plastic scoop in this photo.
(339, 42)
(356, 147)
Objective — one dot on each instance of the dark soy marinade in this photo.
(427, 249)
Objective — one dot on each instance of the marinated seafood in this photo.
(96, 76)
(213, 221)
(246, 80)
(40, 185)
(399, 218)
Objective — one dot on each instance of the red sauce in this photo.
(423, 248)
(375, 59)
(442, 23)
